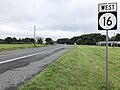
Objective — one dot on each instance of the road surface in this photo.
(18, 66)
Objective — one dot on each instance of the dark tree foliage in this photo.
(19, 40)
(49, 41)
(74, 39)
(103, 38)
(86, 39)
(8, 40)
(2, 41)
(14, 39)
(90, 39)
(27, 40)
(32, 40)
(112, 38)
(60, 41)
(117, 37)
(40, 41)
(65, 41)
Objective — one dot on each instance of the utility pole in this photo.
(34, 35)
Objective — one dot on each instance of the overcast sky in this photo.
(52, 18)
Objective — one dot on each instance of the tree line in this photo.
(87, 39)
(27, 40)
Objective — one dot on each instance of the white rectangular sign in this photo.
(107, 7)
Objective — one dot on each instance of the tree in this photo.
(60, 41)
(103, 38)
(19, 40)
(14, 39)
(2, 41)
(88, 39)
(117, 37)
(27, 40)
(65, 41)
(74, 39)
(112, 38)
(32, 40)
(49, 41)
(40, 40)
(8, 39)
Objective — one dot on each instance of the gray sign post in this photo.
(107, 20)
(107, 60)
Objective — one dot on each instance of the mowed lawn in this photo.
(17, 46)
(82, 68)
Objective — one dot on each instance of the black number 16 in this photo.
(107, 21)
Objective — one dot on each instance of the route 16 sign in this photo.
(107, 16)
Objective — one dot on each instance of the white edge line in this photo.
(10, 60)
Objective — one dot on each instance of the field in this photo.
(82, 68)
(17, 46)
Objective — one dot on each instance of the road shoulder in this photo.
(12, 79)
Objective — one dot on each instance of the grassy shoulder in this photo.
(82, 68)
(17, 46)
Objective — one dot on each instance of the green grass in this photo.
(82, 68)
(17, 46)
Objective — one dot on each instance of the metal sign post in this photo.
(107, 20)
(107, 60)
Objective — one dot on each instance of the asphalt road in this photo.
(20, 65)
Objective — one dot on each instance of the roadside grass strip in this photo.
(81, 68)
(17, 46)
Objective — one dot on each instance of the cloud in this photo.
(61, 18)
